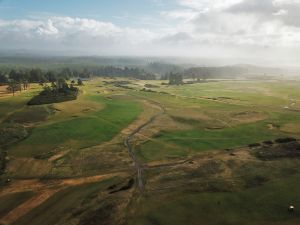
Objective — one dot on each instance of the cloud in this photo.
(281, 12)
(240, 23)
(249, 28)
(70, 33)
(208, 5)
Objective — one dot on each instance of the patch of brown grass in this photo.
(293, 128)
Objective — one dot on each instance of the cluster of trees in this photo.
(58, 91)
(60, 86)
(175, 78)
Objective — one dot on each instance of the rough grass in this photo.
(265, 204)
(11, 201)
(64, 204)
(30, 114)
(85, 131)
(11, 103)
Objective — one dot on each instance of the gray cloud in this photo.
(253, 6)
(285, 11)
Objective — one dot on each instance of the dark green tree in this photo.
(79, 82)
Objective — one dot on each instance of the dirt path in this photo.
(38, 185)
(127, 143)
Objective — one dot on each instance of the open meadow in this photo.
(134, 152)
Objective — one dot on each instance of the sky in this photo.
(254, 31)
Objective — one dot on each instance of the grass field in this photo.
(89, 130)
(197, 165)
(195, 141)
(242, 116)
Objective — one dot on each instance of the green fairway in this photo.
(181, 144)
(89, 130)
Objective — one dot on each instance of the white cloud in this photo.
(185, 14)
(205, 5)
(47, 29)
(66, 33)
(194, 28)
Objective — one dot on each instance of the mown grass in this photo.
(181, 143)
(64, 203)
(88, 130)
(11, 201)
(266, 204)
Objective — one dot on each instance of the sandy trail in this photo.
(128, 145)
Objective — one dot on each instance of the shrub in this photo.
(268, 142)
(285, 140)
(254, 145)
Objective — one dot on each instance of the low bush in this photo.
(254, 145)
(268, 142)
(285, 140)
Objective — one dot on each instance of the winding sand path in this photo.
(127, 143)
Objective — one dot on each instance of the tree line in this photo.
(19, 79)
(201, 74)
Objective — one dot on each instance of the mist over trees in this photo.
(163, 68)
